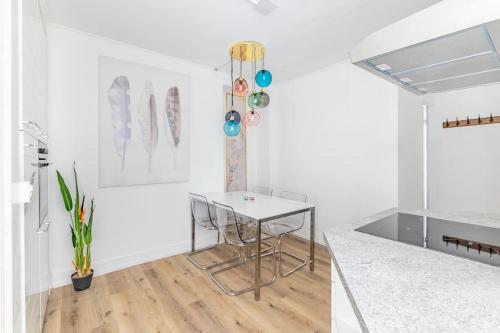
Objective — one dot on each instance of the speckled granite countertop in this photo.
(396, 287)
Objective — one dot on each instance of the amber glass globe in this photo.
(265, 99)
(240, 87)
(251, 118)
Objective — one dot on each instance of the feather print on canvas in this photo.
(173, 119)
(148, 120)
(143, 111)
(119, 100)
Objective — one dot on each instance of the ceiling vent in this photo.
(264, 7)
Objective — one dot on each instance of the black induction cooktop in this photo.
(460, 239)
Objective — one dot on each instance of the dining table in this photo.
(261, 208)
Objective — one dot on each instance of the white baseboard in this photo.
(63, 277)
(304, 234)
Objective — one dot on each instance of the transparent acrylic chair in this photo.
(284, 226)
(205, 216)
(242, 235)
(262, 190)
(267, 191)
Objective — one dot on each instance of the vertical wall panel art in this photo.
(235, 147)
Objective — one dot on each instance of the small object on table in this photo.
(245, 197)
(252, 198)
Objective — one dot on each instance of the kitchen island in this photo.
(382, 285)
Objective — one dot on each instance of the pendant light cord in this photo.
(241, 63)
(263, 64)
(232, 83)
(254, 64)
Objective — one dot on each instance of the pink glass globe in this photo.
(240, 87)
(251, 118)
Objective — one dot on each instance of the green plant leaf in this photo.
(68, 203)
(77, 203)
(88, 261)
(88, 229)
(73, 237)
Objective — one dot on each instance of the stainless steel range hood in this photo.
(448, 46)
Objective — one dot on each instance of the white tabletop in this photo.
(264, 207)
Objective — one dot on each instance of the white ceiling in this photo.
(300, 35)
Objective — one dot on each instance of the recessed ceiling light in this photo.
(406, 80)
(384, 67)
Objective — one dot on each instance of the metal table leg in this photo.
(192, 232)
(311, 240)
(257, 263)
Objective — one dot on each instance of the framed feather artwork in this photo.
(143, 124)
(235, 148)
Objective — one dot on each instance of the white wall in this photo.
(137, 223)
(464, 162)
(333, 136)
(258, 168)
(410, 150)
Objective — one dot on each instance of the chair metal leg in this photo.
(194, 262)
(231, 292)
(252, 256)
(280, 259)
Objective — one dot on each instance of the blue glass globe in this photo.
(233, 115)
(263, 78)
(231, 128)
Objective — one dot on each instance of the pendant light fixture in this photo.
(252, 52)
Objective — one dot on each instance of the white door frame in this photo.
(6, 39)
(9, 106)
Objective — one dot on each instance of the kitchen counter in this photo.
(396, 287)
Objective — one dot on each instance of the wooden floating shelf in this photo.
(471, 122)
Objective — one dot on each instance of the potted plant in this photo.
(81, 233)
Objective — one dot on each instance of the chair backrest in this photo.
(228, 225)
(295, 220)
(262, 190)
(201, 210)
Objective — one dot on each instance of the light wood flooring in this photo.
(172, 295)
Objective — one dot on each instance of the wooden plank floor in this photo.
(171, 295)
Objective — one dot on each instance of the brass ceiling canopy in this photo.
(247, 51)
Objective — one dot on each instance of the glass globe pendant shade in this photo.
(265, 99)
(231, 128)
(251, 118)
(240, 87)
(233, 115)
(263, 78)
(254, 100)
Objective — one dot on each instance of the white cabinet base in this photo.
(344, 319)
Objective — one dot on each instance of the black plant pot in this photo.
(82, 283)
